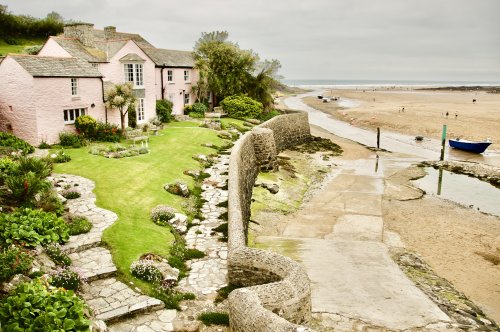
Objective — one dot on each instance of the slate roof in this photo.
(74, 47)
(99, 37)
(44, 66)
(132, 57)
(170, 58)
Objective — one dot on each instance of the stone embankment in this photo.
(277, 296)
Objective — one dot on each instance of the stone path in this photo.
(208, 274)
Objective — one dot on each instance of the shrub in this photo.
(50, 202)
(32, 307)
(78, 225)
(106, 132)
(61, 157)
(171, 297)
(15, 143)
(69, 139)
(268, 115)
(7, 167)
(86, 125)
(70, 194)
(132, 117)
(66, 279)
(146, 270)
(162, 214)
(32, 50)
(241, 107)
(164, 110)
(32, 227)
(143, 150)
(26, 187)
(44, 145)
(54, 251)
(13, 260)
(193, 254)
(197, 110)
(214, 318)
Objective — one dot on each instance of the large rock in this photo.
(178, 188)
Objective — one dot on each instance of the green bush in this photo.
(50, 202)
(11, 141)
(86, 125)
(146, 270)
(162, 214)
(32, 227)
(172, 298)
(164, 110)
(14, 260)
(32, 49)
(61, 157)
(69, 140)
(7, 167)
(70, 194)
(193, 254)
(197, 110)
(78, 225)
(44, 145)
(268, 115)
(242, 107)
(42, 167)
(107, 132)
(54, 251)
(132, 117)
(66, 279)
(214, 318)
(32, 307)
(26, 187)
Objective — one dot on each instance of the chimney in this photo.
(84, 32)
(109, 32)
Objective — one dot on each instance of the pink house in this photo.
(42, 96)
(37, 97)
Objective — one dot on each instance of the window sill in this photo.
(76, 98)
(139, 87)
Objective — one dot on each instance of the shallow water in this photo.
(462, 189)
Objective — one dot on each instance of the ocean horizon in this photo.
(326, 83)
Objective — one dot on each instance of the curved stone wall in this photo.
(277, 296)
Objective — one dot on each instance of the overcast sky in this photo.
(445, 40)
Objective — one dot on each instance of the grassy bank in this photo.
(131, 187)
(19, 47)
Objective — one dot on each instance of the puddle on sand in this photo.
(463, 189)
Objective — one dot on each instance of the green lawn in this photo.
(131, 187)
(6, 48)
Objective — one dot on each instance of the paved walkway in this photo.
(339, 237)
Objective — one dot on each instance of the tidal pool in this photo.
(463, 189)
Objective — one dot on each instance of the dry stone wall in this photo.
(277, 296)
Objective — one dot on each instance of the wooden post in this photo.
(443, 142)
(378, 138)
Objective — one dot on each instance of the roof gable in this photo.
(170, 58)
(42, 66)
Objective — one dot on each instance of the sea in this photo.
(333, 83)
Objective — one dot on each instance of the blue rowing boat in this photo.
(476, 147)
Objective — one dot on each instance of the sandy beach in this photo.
(424, 111)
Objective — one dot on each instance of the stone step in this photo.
(156, 321)
(95, 263)
(112, 300)
(100, 219)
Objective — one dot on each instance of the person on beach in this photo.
(456, 115)
(447, 114)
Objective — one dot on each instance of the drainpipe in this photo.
(162, 86)
(104, 101)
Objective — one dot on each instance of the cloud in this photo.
(383, 39)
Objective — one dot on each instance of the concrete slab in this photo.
(358, 227)
(360, 280)
(358, 183)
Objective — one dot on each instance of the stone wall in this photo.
(277, 296)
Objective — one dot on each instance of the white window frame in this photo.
(186, 76)
(74, 86)
(70, 115)
(170, 76)
(134, 73)
(187, 98)
(140, 110)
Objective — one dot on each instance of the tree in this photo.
(121, 96)
(223, 66)
(226, 70)
(54, 16)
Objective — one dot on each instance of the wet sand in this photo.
(424, 112)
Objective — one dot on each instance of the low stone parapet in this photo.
(277, 296)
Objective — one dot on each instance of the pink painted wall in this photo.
(52, 48)
(17, 105)
(114, 72)
(50, 106)
(173, 90)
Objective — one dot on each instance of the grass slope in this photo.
(131, 187)
(6, 48)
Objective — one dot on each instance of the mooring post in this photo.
(443, 143)
(378, 138)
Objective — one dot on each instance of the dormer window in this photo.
(74, 87)
(134, 73)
